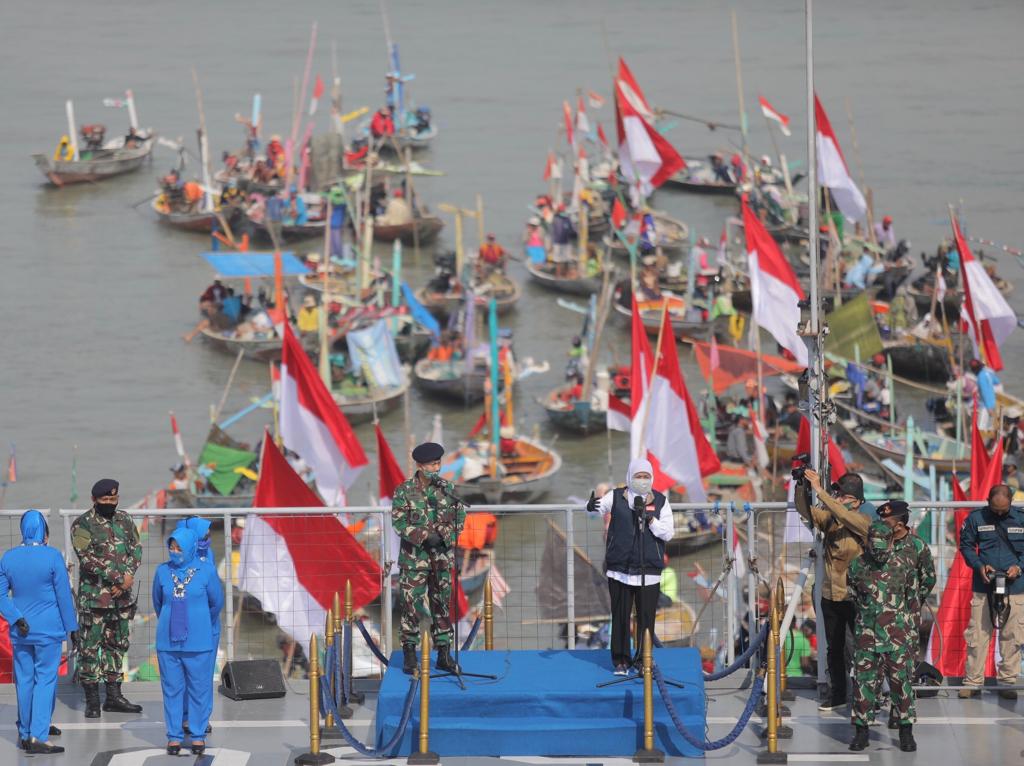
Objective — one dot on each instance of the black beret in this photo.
(893, 508)
(105, 487)
(427, 452)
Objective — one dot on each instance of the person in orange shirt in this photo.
(492, 258)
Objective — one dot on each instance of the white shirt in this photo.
(663, 527)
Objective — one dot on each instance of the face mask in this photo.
(177, 558)
(106, 510)
(432, 475)
(204, 545)
(879, 542)
(641, 486)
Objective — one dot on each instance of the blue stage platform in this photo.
(545, 703)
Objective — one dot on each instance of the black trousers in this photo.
(838, 616)
(623, 599)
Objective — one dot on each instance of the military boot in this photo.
(860, 739)
(116, 702)
(907, 743)
(92, 700)
(445, 661)
(894, 719)
(408, 659)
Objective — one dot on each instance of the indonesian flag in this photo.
(595, 99)
(618, 214)
(985, 312)
(670, 434)
(954, 611)
(567, 114)
(313, 426)
(646, 158)
(553, 168)
(775, 291)
(389, 477)
(940, 285)
(582, 123)
(294, 563)
(626, 84)
(602, 138)
(775, 115)
(835, 457)
(620, 415)
(832, 170)
(318, 91)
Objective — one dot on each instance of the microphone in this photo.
(639, 507)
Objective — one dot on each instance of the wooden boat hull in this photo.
(443, 306)
(921, 362)
(424, 230)
(515, 488)
(685, 180)
(579, 418)
(362, 409)
(578, 286)
(261, 350)
(120, 161)
(199, 222)
(461, 387)
(673, 237)
(290, 233)
(942, 465)
(688, 542)
(651, 319)
(182, 498)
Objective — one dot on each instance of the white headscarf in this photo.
(637, 465)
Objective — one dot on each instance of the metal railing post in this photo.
(570, 579)
(229, 588)
(386, 603)
(731, 584)
(752, 581)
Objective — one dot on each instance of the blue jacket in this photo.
(201, 527)
(981, 544)
(34, 584)
(204, 598)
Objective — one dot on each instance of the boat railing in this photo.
(546, 566)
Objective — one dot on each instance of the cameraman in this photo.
(845, 529)
(992, 544)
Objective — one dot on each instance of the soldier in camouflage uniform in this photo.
(109, 554)
(888, 584)
(428, 517)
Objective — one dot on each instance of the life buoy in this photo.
(736, 324)
(64, 148)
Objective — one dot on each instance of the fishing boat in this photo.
(889, 442)
(423, 229)
(504, 290)
(650, 314)
(227, 476)
(524, 475)
(259, 349)
(544, 275)
(923, 293)
(196, 220)
(699, 178)
(112, 159)
(671, 236)
(580, 418)
(362, 404)
(450, 380)
(919, 360)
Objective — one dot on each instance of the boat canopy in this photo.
(254, 264)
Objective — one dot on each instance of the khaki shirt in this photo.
(844, 530)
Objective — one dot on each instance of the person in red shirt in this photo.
(492, 257)
(382, 124)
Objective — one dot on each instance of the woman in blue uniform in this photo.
(187, 598)
(201, 527)
(36, 601)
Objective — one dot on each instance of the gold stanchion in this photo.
(314, 757)
(423, 756)
(648, 753)
(332, 684)
(488, 615)
(772, 754)
(779, 609)
(780, 602)
(356, 698)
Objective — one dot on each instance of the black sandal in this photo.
(173, 748)
(198, 748)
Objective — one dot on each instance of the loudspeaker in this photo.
(252, 680)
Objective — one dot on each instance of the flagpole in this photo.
(816, 361)
(739, 87)
(325, 264)
(650, 381)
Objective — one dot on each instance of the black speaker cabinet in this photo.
(252, 680)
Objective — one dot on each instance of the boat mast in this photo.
(69, 109)
(204, 147)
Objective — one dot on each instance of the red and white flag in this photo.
(313, 426)
(569, 133)
(670, 434)
(389, 477)
(627, 87)
(595, 99)
(618, 214)
(318, 91)
(832, 170)
(582, 123)
(293, 563)
(646, 158)
(985, 312)
(553, 168)
(940, 285)
(774, 289)
(602, 138)
(775, 115)
(835, 458)
(722, 257)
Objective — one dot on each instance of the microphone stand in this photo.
(453, 603)
(641, 528)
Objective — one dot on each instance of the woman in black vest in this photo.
(640, 524)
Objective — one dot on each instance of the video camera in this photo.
(804, 460)
(999, 578)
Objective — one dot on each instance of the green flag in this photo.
(224, 461)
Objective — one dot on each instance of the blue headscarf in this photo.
(33, 528)
(181, 574)
(201, 528)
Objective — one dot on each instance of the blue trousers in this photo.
(181, 674)
(35, 677)
(209, 679)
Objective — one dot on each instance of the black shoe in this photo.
(860, 739)
(408, 659)
(1008, 694)
(35, 747)
(445, 661)
(198, 748)
(173, 749)
(907, 743)
(92, 700)
(832, 703)
(22, 744)
(116, 702)
(894, 719)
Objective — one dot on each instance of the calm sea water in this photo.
(95, 295)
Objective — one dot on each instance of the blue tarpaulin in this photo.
(254, 264)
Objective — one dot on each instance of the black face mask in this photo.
(106, 510)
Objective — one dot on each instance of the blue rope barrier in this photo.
(703, 745)
(346, 663)
(385, 750)
(741, 661)
(371, 643)
(472, 634)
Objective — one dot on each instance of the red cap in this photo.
(887, 219)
